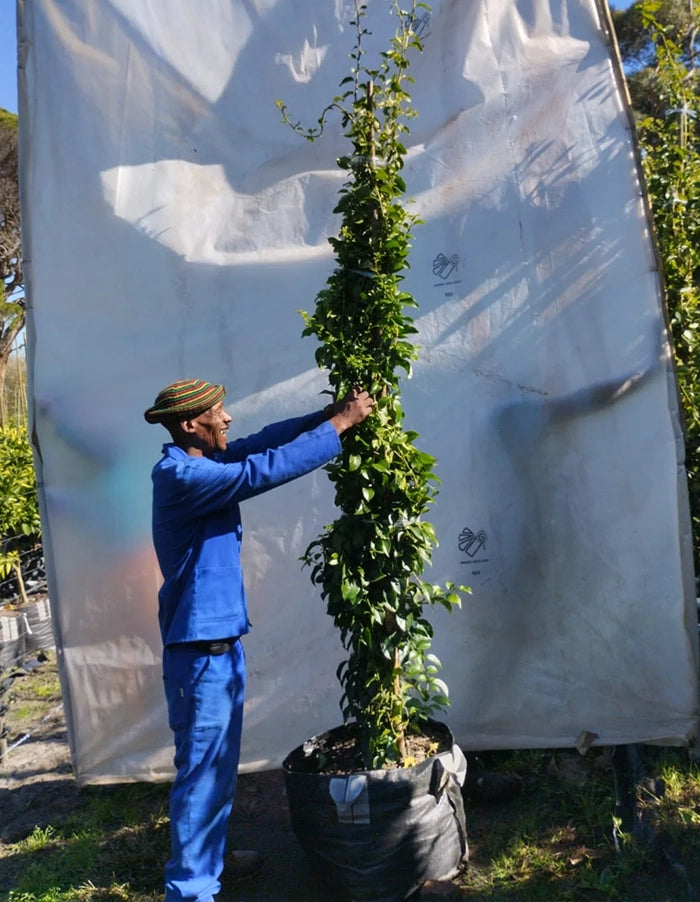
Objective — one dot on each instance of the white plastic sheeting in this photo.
(173, 227)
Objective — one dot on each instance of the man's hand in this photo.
(353, 409)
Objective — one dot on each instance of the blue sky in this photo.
(8, 52)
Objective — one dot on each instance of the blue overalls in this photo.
(197, 536)
(205, 710)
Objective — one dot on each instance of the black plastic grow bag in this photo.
(378, 835)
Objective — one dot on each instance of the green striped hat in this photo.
(188, 397)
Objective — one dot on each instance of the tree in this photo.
(636, 38)
(12, 306)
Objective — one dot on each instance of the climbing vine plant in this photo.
(369, 562)
(671, 162)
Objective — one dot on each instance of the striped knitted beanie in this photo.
(188, 397)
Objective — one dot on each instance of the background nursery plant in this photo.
(20, 526)
(369, 562)
(670, 146)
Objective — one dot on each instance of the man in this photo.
(197, 486)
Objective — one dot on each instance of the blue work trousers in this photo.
(205, 708)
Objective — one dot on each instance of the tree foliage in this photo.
(369, 562)
(637, 39)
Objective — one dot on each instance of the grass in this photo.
(556, 843)
(31, 696)
(112, 848)
(552, 843)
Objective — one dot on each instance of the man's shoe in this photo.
(242, 864)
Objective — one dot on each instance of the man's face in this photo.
(211, 428)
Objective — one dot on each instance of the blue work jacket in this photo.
(197, 522)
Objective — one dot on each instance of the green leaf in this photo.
(354, 462)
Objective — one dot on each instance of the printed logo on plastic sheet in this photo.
(445, 267)
(473, 544)
(351, 797)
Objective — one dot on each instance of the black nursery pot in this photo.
(378, 835)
